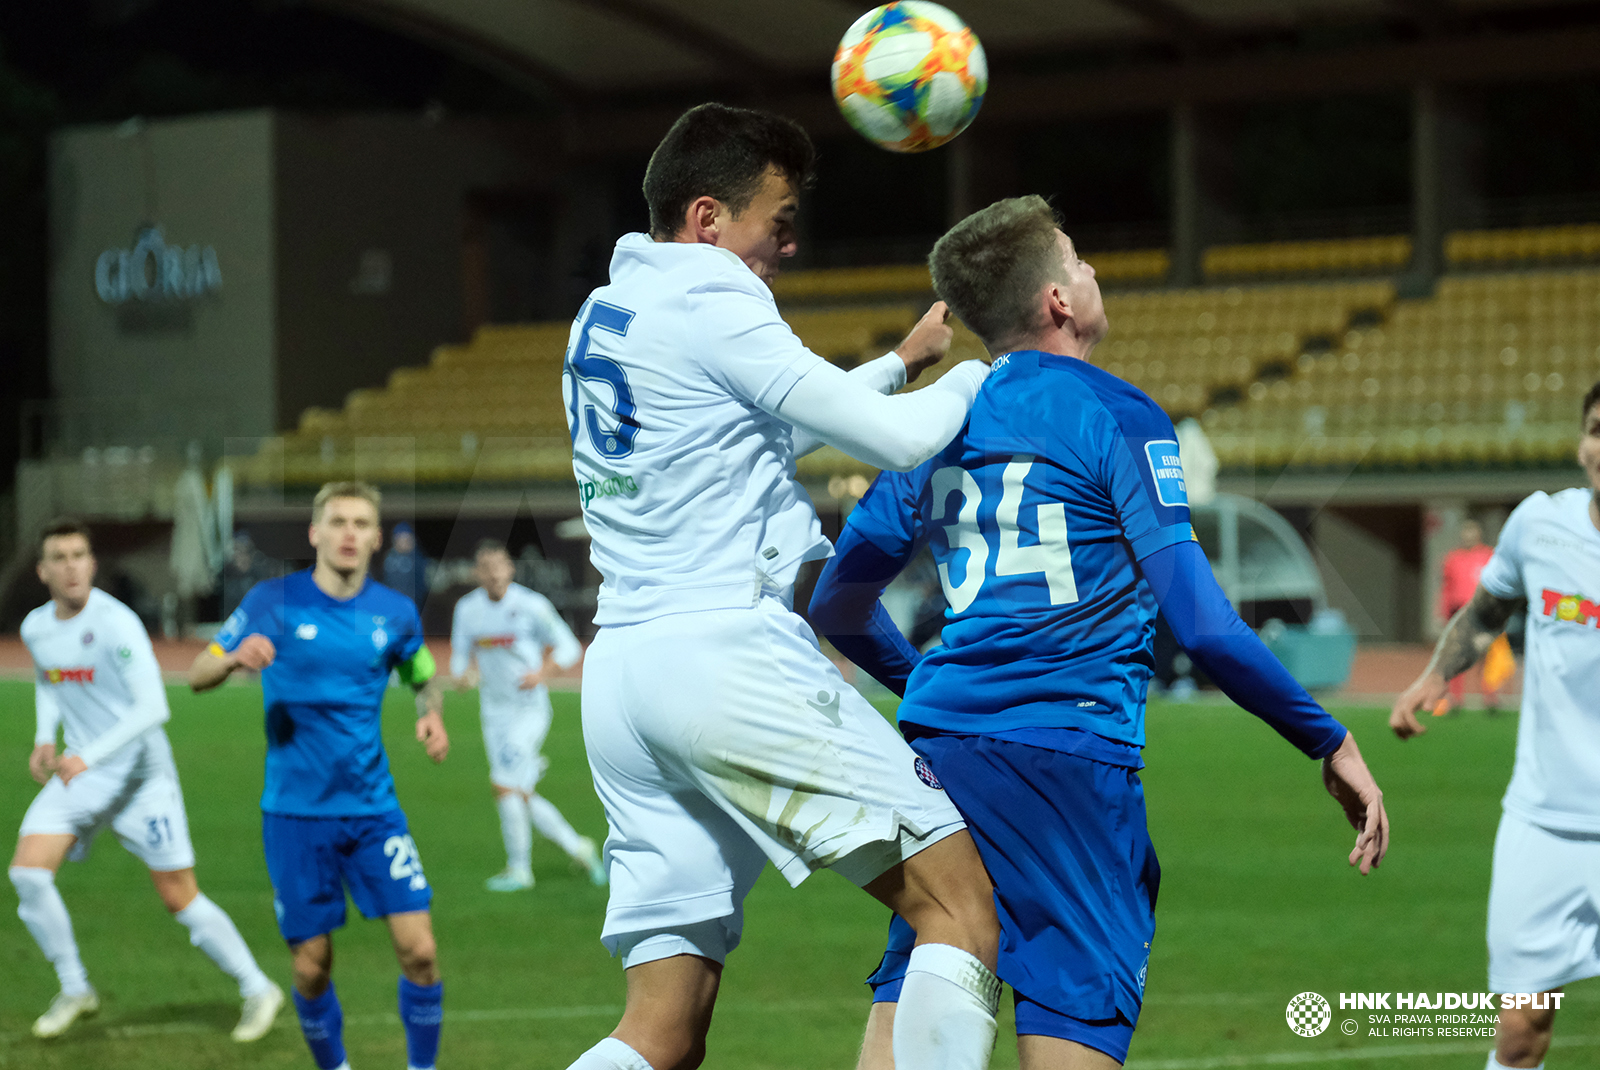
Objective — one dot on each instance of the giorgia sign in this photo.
(154, 271)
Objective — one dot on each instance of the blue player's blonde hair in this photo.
(990, 267)
(346, 488)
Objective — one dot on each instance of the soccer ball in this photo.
(909, 76)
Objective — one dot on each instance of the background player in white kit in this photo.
(96, 672)
(719, 735)
(1544, 931)
(504, 638)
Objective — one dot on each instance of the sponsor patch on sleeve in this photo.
(1167, 470)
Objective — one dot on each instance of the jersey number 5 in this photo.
(609, 442)
(1051, 555)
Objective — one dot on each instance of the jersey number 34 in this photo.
(616, 441)
(1051, 555)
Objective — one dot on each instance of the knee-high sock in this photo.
(212, 931)
(514, 820)
(422, 1013)
(610, 1054)
(548, 820)
(42, 911)
(945, 1020)
(322, 1022)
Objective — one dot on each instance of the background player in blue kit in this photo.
(1059, 524)
(325, 640)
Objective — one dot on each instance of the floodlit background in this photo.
(1352, 246)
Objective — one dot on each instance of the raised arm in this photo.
(1235, 658)
(897, 432)
(748, 347)
(1465, 640)
(213, 665)
(926, 345)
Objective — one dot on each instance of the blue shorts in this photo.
(1065, 840)
(311, 860)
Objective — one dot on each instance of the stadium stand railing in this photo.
(1323, 372)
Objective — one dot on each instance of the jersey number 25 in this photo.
(609, 442)
(1051, 555)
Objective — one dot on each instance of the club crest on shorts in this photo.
(924, 773)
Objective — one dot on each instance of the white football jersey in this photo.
(96, 673)
(687, 479)
(508, 638)
(1549, 554)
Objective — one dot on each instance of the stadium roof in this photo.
(583, 49)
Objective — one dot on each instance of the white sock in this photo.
(212, 931)
(1496, 1064)
(42, 911)
(945, 1020)
(610, 1054)
(514, 831)
(548, 820)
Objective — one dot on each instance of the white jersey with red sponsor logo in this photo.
(508, 638)
(1549, 553)
(96, 674)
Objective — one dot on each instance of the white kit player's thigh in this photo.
(678, 866)
(154, 826)
(1544, 907)
(82, 808)
(511, 740)
(741, 708)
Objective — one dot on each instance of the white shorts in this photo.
(723, 738)
(1544, 907)
(145, 813)
(513, 740)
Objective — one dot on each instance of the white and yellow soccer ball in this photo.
(910, 76)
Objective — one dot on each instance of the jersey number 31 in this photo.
(1051, 555)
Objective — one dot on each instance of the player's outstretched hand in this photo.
(432, 736)
(531, 680)
(255, 652)
(1425, 694)
(69, 767)
(928, 343)
(42, 762)
(1348, 780)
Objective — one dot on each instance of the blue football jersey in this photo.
(1037, 514)
(324, 691)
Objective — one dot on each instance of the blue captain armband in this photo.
(418, 669)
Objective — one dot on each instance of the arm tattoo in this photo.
(430, 697)
(1468, 635)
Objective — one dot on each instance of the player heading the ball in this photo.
(1058, 521)
(325, 641)
(718, 734)
(1543, 932)
(96, 674)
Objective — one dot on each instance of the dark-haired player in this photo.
(1544, 930)
(718, 734)
(1059, 524)
(325, 641)
(96, 674)
(504, 638)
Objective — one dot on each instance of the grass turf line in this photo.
(1256, 906)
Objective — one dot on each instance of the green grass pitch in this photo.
(1256, 906)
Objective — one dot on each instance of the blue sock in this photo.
(322, 1022)
(421, 1012)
